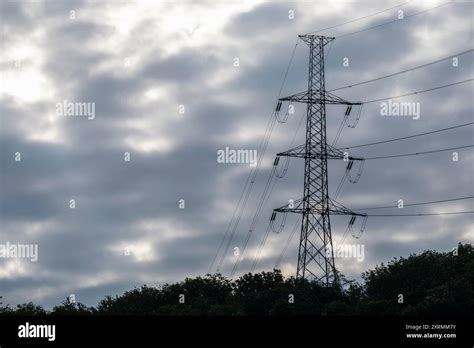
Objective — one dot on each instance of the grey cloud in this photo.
(114, 197)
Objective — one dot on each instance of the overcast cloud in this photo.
(139, 62)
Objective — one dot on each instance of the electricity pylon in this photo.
(316, 256)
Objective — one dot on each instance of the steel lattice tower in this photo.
(314, 260)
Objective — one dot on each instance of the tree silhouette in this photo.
(430, 283)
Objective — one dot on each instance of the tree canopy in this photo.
(428, 283)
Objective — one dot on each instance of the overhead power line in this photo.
(263, 201)
(403, 71)
(239, 209)
(264, 198)
(425, 214)
(410, 136)
(414, 204)
(419, 92)
(310, 251)
(355, 20)
(395, 20)
(418, 153)
(287, 244)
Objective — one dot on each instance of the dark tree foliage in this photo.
(72, 308)
(24, 309)
(431, 283)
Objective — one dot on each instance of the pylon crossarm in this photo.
(301, 151)
(333, 212)
(315, 97)
(334, 153)
(292, 207)
(336, 208)
(285, 209)
(309, 38)
(298, 151)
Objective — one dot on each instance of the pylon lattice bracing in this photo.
(315, 255)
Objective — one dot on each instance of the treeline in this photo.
(430, 283)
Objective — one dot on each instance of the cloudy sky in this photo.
(141, 64)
